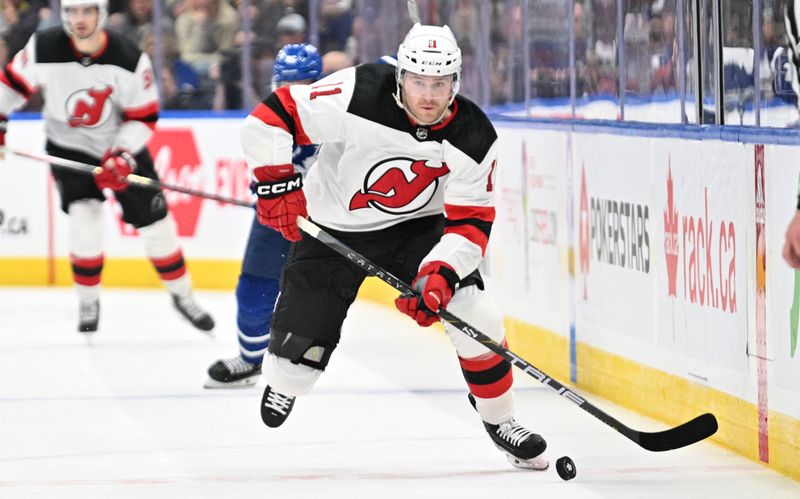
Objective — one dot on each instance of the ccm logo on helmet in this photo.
(271, 190)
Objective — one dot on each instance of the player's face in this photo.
(83, 20)
(427, 97)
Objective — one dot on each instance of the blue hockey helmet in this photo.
(296, 62)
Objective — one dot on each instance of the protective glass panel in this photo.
(650, 43)
(597, 59)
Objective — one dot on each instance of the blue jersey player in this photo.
(266, 251)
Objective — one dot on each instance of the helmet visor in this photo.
(428, 87)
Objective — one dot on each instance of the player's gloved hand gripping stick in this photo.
(692, 431)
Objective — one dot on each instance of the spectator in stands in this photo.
(21, 19)
(334, 61)
(291, 29)
(204, 30)
(136, 20)
(336, 23)
(180, 85)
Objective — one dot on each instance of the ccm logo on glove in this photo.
(271, 190)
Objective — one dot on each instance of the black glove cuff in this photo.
(450, 276)
(277, 188)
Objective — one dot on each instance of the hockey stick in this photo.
(692, 431)
(133, 179)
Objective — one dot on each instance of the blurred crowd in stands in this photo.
(204, 50)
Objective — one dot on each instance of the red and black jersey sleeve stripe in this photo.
(147, 114)
(16, 82)
(280, 110)
(472, 222)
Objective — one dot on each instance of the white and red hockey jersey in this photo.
(377, 168)
(92, 102)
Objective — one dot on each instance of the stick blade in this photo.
(688, 433)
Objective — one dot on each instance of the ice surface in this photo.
(128, 417)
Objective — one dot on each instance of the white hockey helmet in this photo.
(429, 51)
(792, 20)
(102, 10)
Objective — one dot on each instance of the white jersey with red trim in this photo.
(92, 102)
(377, 168)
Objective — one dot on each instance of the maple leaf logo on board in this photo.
(671, 236)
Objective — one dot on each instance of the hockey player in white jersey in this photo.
(101, 107)
(791, 244)
(405, 176)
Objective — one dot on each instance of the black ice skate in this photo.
(193, 312)
(275, 407)
(88, 316)
(232, 373)
(522, 447)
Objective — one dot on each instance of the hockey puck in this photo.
(566, 468)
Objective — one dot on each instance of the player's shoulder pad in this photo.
(474, 133)
(372, 91)
(121, 51)
(52, 45)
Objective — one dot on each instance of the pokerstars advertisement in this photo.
(614, 243)
(702, 229)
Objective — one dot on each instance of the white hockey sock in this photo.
(87, 293)
(86, 247)
(161, 245)
(287, 378)
(496, 410)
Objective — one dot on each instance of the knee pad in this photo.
(86, 228)
(300, 349)
(474, 306)
(287, 377)
(160, 238)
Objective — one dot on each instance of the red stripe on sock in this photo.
(482, 362)
(83, 280)
(86, 262)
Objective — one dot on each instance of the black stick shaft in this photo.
(133, 179)
(688, 433)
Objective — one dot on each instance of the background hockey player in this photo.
(101, 107)
(405, 176)
(791, 246)
(266, 251)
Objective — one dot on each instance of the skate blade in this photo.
(242, 383)
(538, 463)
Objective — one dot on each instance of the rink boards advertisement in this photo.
(202, 154)
(667, 296)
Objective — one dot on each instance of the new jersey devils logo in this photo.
(87, 107)
(399, 185)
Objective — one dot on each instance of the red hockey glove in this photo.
(433, 289)
(116, 165)
(280, 199)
